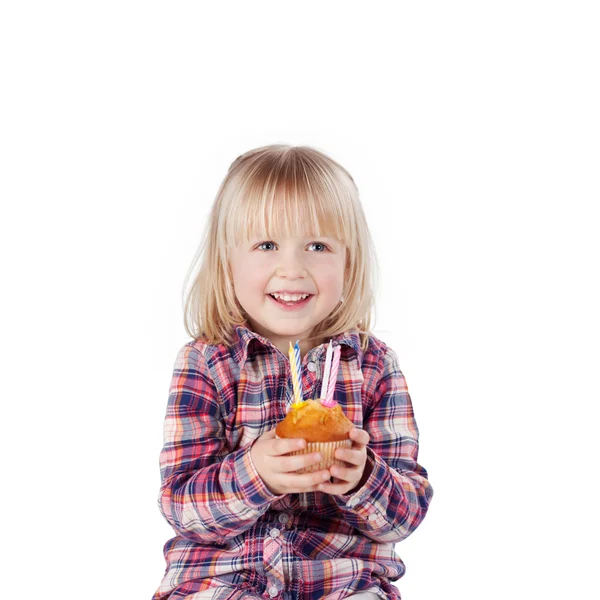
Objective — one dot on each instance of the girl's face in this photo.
(297, 267)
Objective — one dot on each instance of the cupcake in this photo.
(324, 428)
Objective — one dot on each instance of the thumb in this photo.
(360, 438)
(269, 435)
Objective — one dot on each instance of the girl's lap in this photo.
(218, 592)
(223, 593)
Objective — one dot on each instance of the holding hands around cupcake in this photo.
(290, 465)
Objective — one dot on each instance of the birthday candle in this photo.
(298, 363)
(328, 357)
(335, 363)
(295, 364)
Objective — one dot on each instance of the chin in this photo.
(289, 329)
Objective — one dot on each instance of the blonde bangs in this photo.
(288, 200)
(281, 191)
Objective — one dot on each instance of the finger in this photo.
(286, 445)
(353, 457)
(346, 474)
(302, 482)
(359, 437)
(335, 489)
(289, 464)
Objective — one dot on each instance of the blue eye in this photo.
(321, 245)
(260, 246)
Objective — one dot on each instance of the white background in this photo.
(472, 130)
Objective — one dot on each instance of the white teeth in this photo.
(290, 298)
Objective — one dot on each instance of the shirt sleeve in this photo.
(394, 500)
(207, 493)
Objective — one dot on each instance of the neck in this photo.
(282, 343)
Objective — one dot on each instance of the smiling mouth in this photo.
(288, 300)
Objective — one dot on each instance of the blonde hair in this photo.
(291, 191)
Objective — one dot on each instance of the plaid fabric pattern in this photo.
(232, 534)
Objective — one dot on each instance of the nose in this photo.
(290, 266)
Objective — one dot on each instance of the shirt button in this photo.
(312, 367)
(372, 517)
(283, 518)
(273, 591)
(274, 532)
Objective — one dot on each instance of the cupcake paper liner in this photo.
(327, 451)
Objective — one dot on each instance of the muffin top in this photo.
(314, 422)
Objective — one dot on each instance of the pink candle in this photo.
(327, 370)
(335, 363)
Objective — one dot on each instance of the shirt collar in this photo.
(243, 343)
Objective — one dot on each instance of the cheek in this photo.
(239, 275)
(332, 279)
(247, 276)
(243, 283)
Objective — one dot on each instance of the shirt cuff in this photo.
(366, 502)
(249, 483)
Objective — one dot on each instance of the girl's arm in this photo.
(207, 493)
(394, 498)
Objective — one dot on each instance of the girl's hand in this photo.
(354, 475)
(277, 470)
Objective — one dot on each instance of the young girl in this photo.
(287, 256)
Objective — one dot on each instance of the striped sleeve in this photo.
(395, 498)
(207, 493)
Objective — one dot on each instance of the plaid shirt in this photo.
(233, 534)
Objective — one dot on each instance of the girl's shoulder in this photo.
(203, 352)
(371, 345)
(376, 344)
(214, 352)
(233, 349)
(380, 352)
